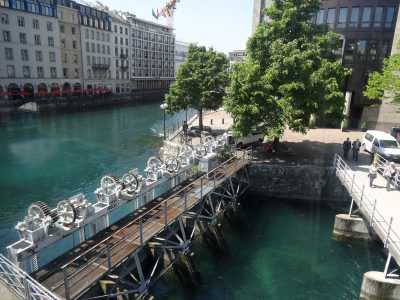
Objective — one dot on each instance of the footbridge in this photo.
(117, 264)
(379, 208)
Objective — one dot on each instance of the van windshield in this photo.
(389, 144)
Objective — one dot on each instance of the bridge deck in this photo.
(381, 208)
(93, 260)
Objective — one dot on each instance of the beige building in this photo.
(70, 46)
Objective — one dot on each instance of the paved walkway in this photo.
(387, 204)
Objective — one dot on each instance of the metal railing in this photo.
(158, 219)
(382, 163)
(21, 284)
(173, 130)
(369, 207)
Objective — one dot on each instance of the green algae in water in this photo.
(279, 249)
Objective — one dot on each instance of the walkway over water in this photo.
(162, 225)
(379, 207)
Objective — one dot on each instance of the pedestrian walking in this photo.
(346, 148)
(389, 173)
(185, 128)
(373, 173)
(356, 149)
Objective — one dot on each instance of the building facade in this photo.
(29, 49)
(181, 51)
(70, 47)
(367, 30)
(152, 54)
(236, 56)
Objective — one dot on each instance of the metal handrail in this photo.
(21, 284)
(367, 206)
(160, 208)
(382, 163)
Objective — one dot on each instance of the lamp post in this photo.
(164, 106)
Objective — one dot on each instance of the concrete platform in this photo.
(5, 293)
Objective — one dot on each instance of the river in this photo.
(276, 250)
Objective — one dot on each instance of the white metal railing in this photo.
(368, 206)
(382, 163)
(21, 284)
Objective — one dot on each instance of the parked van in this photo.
(252, 138)
(382, 143)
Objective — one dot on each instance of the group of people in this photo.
(348, 145)
(390, 173)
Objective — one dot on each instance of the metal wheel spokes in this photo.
(131, 182)
(109, 183)
(186, 151)
(66, 212)
(154, 163)
(38, 210)
(221, 140)
(172, 164)
(201, 150)
(209, 141)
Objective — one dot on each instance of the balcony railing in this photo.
(100, 66)
(123, 56)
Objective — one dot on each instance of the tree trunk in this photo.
(200, 111)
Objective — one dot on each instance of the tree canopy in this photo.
(385, 84)
(290, 72)
(200, 82)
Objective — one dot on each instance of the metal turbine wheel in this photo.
(108, 183)
(154, 163)
(131, 182)
(66, 212)
(209, 140)
(220, 140)
(186, 150)
(39, 211)
(172, 164)
(201, 150)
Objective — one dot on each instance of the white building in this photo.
(236, 56)
(181, 51)
(29, 50)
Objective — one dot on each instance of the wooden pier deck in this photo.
(75, 273)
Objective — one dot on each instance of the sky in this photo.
(223, 24)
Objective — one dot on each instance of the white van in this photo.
(382, 143)
(252, 138)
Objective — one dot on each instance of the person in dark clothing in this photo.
(346, 148)
(356, 149)
(185, 128)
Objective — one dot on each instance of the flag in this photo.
(154, 14)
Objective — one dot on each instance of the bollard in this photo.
(211, 121)
(223, 121)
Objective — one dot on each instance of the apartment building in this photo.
(236, 56)
(181, 51)
(70, 47)
(367, 30)
(121, 49)
(29, 49)
(152, 54)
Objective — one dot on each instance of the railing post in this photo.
(165, 214)
(388, 233)
(362, 196)
(373, 213)
(351, 206)
(352, 184)
(185, 199)
(201, 188)
(66, 284)
(109, 257)
(141, 231)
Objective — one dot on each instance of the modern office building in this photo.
(236, 56)
(181, 51)
(29, 49)
(152, 54)
(70, 47)
(367, 30)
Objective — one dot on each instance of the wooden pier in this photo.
(162, 224)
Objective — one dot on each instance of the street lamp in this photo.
(164, 106)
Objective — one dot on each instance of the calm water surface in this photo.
(276, 249)
(279, 250)
(50, 158)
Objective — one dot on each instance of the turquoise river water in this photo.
(275, 250)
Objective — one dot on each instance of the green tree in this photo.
(385, 84)
(290, 73)
(200, 82)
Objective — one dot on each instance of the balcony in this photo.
(100, 66)
(124, 68)
(123, 56)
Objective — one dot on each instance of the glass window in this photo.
(49, 26)
(26, 70)
(355, 14)
(53, 72)
(389, 17)
(37, 40)
(21, 22)
(10, 71)
(361, 50)
(52, 56)
(51, 41)
(22, 38)
(4, 19)
(35, 24)
(385, 50)
(39, 55)
(349, 51)
(40, 72)
(62, 28)
(9, 53)
(6, 36)
(342, 17)
(24, 55)
(378, 17)
(366, 17)
(372, 50)
(320, 18)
